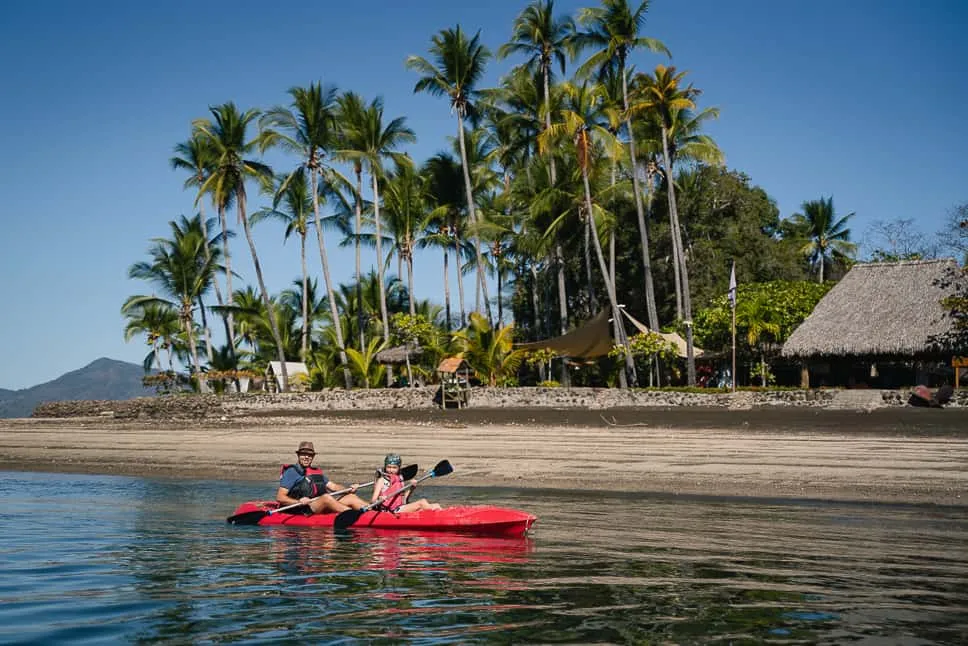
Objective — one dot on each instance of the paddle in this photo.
(253, 517)
(347, 518)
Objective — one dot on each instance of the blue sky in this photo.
(859, 99)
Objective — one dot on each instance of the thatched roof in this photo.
(882, 308)
(398, 354)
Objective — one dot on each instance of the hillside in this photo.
(101, 379)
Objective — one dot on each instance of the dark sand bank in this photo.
(902, 455)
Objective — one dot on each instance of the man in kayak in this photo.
(306, 484)
(390, 483)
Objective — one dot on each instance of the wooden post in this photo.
(958, 363)
(804, 375)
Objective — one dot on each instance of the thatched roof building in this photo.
(398, 354)
(885, 309)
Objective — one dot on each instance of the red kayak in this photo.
(478, 519)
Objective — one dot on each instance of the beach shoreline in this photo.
(916, 456)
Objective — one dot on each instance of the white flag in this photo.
(732, 285)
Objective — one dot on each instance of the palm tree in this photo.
(293, 206)
(371, 142)
(160, 323)
(309, 130)
(827, 236)
(181, 271)
(663, 95)
(457, 69)
(490, 352)
(227, 134)
(583, 121)
(350, 111)
(545, 39)
(614, 30)
(443, 176)
(197, 158)
(407, 215)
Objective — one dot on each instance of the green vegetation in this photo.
(581, 182)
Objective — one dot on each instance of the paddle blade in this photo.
(443, 468)
(247, 518)
(346, 518)
(409, 471)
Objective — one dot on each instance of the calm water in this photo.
(131, 560)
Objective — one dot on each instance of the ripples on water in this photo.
(122, 559)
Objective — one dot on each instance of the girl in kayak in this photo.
(389, 483)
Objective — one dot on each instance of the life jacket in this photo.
(392, 484)
(313, 483)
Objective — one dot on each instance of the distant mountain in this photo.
(101, 379)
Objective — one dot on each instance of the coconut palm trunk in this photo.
(446, 289)
(188, 320)
(379, 270)
(460, 280)
(205, 330)
(229, 319)
(360, 315)
(610, 288)
(305, 295)
(337, 325)
(650, 304)
(684, 271)
(472, 212)
(270, 311)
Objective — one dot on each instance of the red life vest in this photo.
(312, 485)
(392, 485)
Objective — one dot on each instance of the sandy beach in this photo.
(901, 455)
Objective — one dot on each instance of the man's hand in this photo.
(305, 500)
(354, 487)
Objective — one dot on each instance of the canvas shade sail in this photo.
(591, 340)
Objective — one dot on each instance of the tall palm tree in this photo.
(351, 109)
(371, 142)
(293, 206)
(614, 30)
(545, 39)
(827, 235)
(309, 130)
(160, 323)
(227, 133)
(583, 121)
(407, 215)
(180, 270)
(663, 94)
(197, 157)
(457, 69)
(443, 176)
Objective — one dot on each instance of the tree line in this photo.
(579, 183)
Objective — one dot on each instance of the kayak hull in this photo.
(476, 519)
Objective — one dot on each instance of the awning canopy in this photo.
(591, 340)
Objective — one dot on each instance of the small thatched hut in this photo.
(879, 326)
(399, 354)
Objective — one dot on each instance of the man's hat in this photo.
(306, 446)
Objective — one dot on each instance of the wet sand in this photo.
(895, 455)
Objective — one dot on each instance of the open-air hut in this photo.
(401, 355)
(455, 386)
(882, 325)
(273, 381)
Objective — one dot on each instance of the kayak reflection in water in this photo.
(306, 484)
(389, 490)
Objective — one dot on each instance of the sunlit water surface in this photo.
(108, 559)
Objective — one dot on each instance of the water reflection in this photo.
(139, 560)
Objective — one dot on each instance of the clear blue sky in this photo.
(860, 99)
